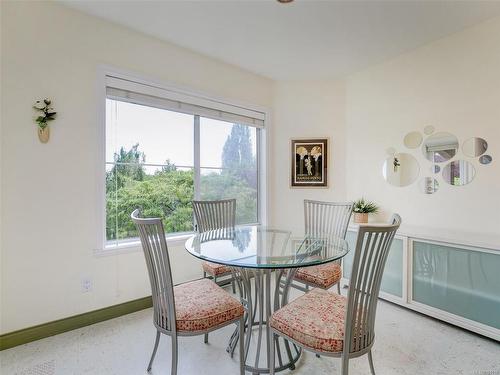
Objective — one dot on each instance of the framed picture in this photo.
(309, 162)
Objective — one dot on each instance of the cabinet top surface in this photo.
(483, 240)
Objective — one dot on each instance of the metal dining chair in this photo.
(330, 324)
(189, 309)
(323, 219)
(211, 215)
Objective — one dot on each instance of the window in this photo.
(161, 153)
(228, 166)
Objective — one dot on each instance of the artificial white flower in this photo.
(39, 104)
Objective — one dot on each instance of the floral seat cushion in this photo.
(315, 320)
(323, 276)
(201, 305)
(215, 269)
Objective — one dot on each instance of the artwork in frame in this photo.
(309, 162)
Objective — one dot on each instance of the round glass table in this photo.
(263, 262)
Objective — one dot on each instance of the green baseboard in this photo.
(56, 327)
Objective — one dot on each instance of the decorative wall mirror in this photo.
(413, 140)
(485, 159)
(459, 172)
(401, 169)
(429, 129)
(440, 147)
(474, 147)
(429, 185)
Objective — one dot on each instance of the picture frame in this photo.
(309, 162)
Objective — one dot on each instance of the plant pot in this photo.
(360, 218)
(44, 134)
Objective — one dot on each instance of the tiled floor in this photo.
(406, 343)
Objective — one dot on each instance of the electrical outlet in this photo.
(86, 285)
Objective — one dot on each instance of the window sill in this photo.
(134, 245)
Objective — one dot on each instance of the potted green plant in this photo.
(361, 210)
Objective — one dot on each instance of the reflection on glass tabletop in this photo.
(256, 246)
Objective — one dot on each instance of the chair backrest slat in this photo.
(211, 215)
(372, 248)
(155, 249)
(327, 218)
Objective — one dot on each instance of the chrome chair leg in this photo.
(157, 341)
(174, 356)
(205, 339)
(241, 328)
(370, 361)
(338, 287)
(345, 366)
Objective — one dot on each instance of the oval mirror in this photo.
(413, 140)
(402, 169)
(429, 185)
(440, 147)
(459, 172)
(475, 147)
(485, 159)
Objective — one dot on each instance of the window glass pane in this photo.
(227, 184)
(110, 203)
(161, 135)
(227, 145)
(136, 135)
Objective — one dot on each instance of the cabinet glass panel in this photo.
(462, 282)
(392, 279)
(347, 260)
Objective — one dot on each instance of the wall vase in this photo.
(44, 134)
(360, 218)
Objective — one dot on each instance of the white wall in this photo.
(49, 192)
(452, 84)
(305, 110)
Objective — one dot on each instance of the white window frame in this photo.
(103, 248)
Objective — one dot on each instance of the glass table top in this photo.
(256, 246)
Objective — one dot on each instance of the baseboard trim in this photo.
(23, 336)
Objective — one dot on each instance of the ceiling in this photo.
(306, 39)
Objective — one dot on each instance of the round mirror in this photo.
(475, 147)
(413, 140)
(440, 147)
(459, 172)
(429, 185)
(436, 168)
(429, 129)
(485, 159)
(401, 169)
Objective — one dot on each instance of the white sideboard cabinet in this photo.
(449, 278)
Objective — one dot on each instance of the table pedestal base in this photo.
(261, 296)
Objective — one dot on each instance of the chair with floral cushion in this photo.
(330, 324)
(211, 215)
(189, 309)
(324, 219)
